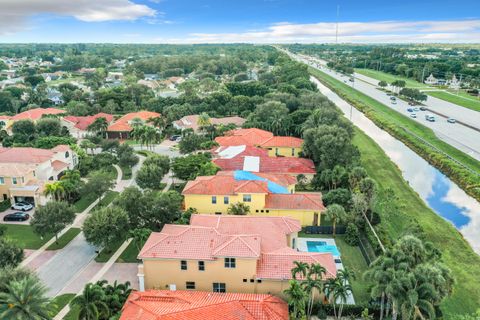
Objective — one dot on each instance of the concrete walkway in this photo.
(97, 276)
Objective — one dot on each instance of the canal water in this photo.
(438, 192)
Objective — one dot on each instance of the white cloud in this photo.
(376, 31)
(14, 14)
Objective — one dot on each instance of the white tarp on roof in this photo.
(231, 152)
(251, 164)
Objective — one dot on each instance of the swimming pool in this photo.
(322, 246)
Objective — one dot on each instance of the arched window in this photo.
(67, 154)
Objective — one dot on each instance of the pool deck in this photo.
(302, 246)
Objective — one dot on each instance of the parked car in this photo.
(351, 79)
(451, 120)
(413, 115)
(16, 216)
(389, 94)
(175, 137)
(410, 110)
(24, 206)
(423, 109)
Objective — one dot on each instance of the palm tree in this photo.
(341, 292)
(300, 268)
(100, 125)
(336, 213)
(91, 303)
(136, 122)
(239, 209)
(296, 299)
(158, 122)
(313, 284)
(138, 134)
(24, 299)
(203, 120)
(55, 189)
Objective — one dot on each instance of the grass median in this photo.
(389, 78)
(463, 100)
(456, 252)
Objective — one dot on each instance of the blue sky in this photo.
(194, 21)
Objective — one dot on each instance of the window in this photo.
(256, 211)
(218, 213)
(244, 280)
(247, 198)
(230, 262)
(293, 151)
(267, 211)
(190, 285)
(225, 200)
(219, 287)
(2, 180)
(14, 180)
(252, 280)
(276, 151)
(183, 265)
(201, 265)
(67, 154)
(259, 281)
(214, 199)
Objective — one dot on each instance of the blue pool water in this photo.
(322, 247)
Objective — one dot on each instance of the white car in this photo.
(22, 206)
(413, 115)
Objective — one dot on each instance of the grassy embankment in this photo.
(389, 78)
(435, 151)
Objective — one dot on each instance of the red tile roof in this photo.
(249, 137)
(223, 184)
(295, 201)
(123, 124)
(28, 155)
(198, 305)
(270, 165)
(82, 123)
(280, 141)
(37, 113)
(59, 165)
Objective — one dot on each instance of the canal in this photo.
(439, 193)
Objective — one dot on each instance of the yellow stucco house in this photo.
(267, 195)
(279, 146)
(243, 254)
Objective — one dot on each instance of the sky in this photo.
(232, 21)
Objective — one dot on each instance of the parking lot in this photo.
(4, 213)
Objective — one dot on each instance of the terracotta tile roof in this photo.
(249, 137)
(270, 165)
(2, 117)
(199, 243)
(59, 165)
(279, 178)
(296, 201)
(279, 141)
(278, 265)
(82, 123)
(198, 305)
(123, 124)
(191, 121)
(29, 155)
(61, 148)
(223, 184)
(37, 113)
(16, 169)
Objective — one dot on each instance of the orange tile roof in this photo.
(59, 165)
(280, 141)
(123, 124)
(295, 201)
(249, 137)
(223, 184)
(82, 123)
(37, 113)
(270, 165)
(192, 305)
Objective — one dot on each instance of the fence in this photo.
(325, 230)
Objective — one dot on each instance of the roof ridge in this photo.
(241, 239)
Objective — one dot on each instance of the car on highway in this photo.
(410, 110)
(393, 98)
(351, 79)
(416, 109)
(423, 109)
(451, 120)
(16, 216)
(413, 115)
(24, 206)
(394, 101)
(429, 118)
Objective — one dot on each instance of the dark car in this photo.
(16, 216)
(174, 138)
(423, 109)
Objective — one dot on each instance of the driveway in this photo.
(4, 213)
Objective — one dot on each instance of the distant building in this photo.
(191, 122)
(36, 114)
(54, 96)
(431, 80)
(78, 126)
(454, 83)
(114, 76)
(121, 128)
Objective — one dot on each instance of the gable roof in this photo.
(249, 137)
(35, 114)
(123, 124)
(266, 164)
(282, 141)
(28, 155)
(176, 305)
(82, 123)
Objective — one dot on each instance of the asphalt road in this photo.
(457, 135)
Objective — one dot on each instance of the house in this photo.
(151, 76)
(11, 82)
(431, 80)
(50, 76)
(78, 126)
(265, 194)
(4, 122)
(243, 254)
(121, 128)
(86, 70)
(10, 74)
(233, 158)
(25, 171)
(152, 84)
(114, 76)
(54, 96)
(277, 146)
(454, 83)
(167, 304)
(34, 114)
(191, 122)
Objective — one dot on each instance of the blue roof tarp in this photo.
(248, 176)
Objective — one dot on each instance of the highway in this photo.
(457, 135)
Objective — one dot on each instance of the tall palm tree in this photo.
(24, 299)
(336, 213)
(91, 303)
(296, 299)
(300, 268)
(313, 283)
(158, 122)
(100, 125)
(341, 293)
(55, 189)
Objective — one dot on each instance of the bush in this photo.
(351, 235)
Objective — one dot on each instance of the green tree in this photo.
(301, 268)
(52, 218)
(91, 303)
(297, 298)
(189, 167)
(140, 236)
(150, 177)
(25, 299)
(239, 209)
(382, 84)
(106, 226)
(98, 183)
(48, 127)
(10, 252)
(98, 126)
(336, 213)
(313, 284)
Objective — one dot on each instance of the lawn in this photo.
(146, 153)
(107, 199)
(456, 252)
(84, 202)
(129, 255)
(353, 260)
(59, 302)
(24, 236)
(463, 99)
(108, 252)
(65, 239)
(126, 172)
(389, 78)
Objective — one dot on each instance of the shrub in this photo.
(351, 235)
